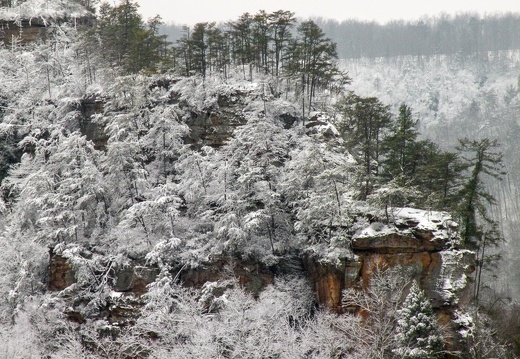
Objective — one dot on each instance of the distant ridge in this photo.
(466, 33)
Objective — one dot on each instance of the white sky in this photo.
(189, 12)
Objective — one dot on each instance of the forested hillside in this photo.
(230, 195)
(465, 34)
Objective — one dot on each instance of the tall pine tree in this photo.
(484, 161)
(400, 145)
(479, 230)
(363, 123)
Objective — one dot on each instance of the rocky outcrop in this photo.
(25, 28)
(134, 279)
(251, 275)
(22, 32)
(215, 126)
(444, 280)
(397, 243)
(212, 124)
(129, 282)
(92, 130)
(329, 280)
(61, 274)
(425, 249)
(422, 242)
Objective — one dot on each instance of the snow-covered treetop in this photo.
(46, 10)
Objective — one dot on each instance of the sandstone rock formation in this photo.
(442, 269)
(22, 32)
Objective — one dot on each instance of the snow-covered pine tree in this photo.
(418, 334)
(485, 161)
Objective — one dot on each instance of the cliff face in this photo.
(90, 106)
(423, 249)
(444, 275)
(24, 22)
(419, 241)
(22, 32)
(442, 272)
(214, 126)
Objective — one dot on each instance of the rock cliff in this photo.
(22, 32)
(418, 241)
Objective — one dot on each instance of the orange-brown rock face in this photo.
(426, 267)
(251, 275)
(61, 274)
(419, 241)
(23, 32)
(443, 275)
(330, 280)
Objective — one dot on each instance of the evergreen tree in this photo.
(281, 23)
(241, 44)
(312, 60)
(479, 229)
(184, 52)
(261, 35)
(206, 48)
(439, 175)
(400, 146)
(421, 164)
(363, 122)
(473, 197)
(199, 46)
(218, 49)
(125, 41)
(418, 334)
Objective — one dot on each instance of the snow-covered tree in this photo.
(311, 61)
(378, 302)
(319, 186)
(60, 192)
(418, 333)
(256, 153)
